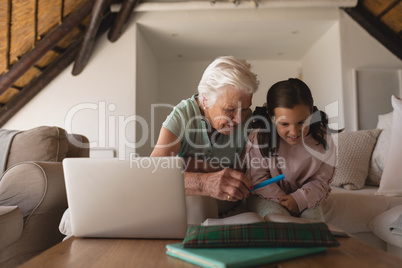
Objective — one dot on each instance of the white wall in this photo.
(359, 50)
(270, 72)
(107, 82)
(323, 74)
(147, 92)
(180, 79)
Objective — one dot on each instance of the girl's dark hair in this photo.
(288, 94)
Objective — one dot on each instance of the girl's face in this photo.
(293, 124)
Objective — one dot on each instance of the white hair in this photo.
(226, 71)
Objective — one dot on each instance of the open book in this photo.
(252, 217)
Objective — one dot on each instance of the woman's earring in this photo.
(205, 108)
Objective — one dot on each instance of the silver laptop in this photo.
(142, 197)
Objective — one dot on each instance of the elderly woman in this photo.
(210, 130)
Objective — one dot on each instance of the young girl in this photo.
(291, 139)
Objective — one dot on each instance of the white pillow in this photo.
(381, 148)
(391, 180)
(354, 153)
(381, 226)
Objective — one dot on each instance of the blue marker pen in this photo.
(267, 182)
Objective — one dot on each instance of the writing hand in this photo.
(227, 184)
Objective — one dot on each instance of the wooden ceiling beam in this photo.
(38, 83)
(389, 39)
(48, 74)
(122, 19)
(46, 44)
(87, 45)
(391, 6)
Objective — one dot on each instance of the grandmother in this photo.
(210, 130)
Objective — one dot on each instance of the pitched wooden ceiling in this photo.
(40, 38)
(383, 20)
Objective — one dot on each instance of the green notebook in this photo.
(237, 257)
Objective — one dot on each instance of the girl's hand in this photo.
(290, 203)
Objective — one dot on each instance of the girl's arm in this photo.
(315, 189)
(271, 192)
(257, 168)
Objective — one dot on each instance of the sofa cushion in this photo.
(354, 153)
(381, 226)
(391, 179)
(6, 139)
(38, 144)
(380, 151)
(353, 210)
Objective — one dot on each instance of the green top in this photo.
(188, 124)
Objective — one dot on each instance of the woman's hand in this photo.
(290, 203)
(226, 184)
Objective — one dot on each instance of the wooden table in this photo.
(76, 252)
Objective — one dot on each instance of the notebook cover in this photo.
(262, 234)
(237, 257)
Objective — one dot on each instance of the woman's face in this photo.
(292, 124)
(229, 110)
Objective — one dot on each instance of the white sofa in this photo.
(361, 212)
(366, 197)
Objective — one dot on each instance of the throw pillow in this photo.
(44, 143)
(354, 152)
(391, 180)
(382, 225)
(380, 150)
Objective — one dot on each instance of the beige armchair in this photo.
(32, 191)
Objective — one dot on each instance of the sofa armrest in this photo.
(34, 186)
(78, 146)
(11, 225)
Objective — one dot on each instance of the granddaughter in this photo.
(292, 138)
